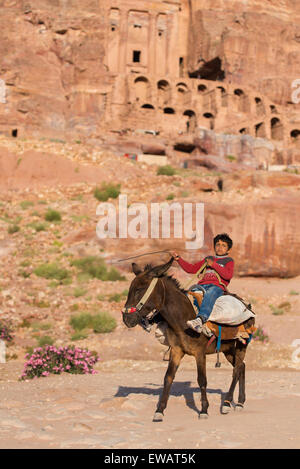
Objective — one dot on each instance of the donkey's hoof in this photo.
(203, 416)
(158, 417)
(226, 408)
(239, 407)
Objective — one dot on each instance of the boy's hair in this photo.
(223, 237)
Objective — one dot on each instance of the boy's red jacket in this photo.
(224, 265)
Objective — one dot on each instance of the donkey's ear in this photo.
(135, 268)
(160, 270)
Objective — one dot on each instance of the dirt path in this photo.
(114, 409)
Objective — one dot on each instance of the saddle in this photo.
(242, 332)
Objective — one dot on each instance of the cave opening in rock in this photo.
(147, 106)
(184, 147)
(169, 110)
(211, 70)
(14, 132)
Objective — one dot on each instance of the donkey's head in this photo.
(144, 293)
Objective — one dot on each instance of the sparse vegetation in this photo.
(107, 191)
(79, 291)
(231, 158)
(80, 335)
(52, 271)
(38, 226)
(118, 296)
(100, 323)
(276, 310)
(166, 170)
(94, 267)
(25, 204)
(13, 229)
(52, 215)
(45, 340)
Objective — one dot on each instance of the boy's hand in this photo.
(175, 255)
(209, 261)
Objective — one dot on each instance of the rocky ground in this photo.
(114, 408)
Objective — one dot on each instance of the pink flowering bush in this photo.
(56, 360)
(5, 331)
(260, 335)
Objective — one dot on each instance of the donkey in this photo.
(153, 290)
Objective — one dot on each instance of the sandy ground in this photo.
(114, 408)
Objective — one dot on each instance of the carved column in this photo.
(152, 44)
(123, 41)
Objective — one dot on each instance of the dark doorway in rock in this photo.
(211, 70)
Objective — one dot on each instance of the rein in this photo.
(140, 255)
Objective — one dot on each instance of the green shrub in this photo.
(79, 291)
(81, 321)
(38, 226)
(103, 323)
(118, 296)
(80, 335)
(294, 292)
(276, 311)
(94, 267)
(231, 158)
(107, 191)
(170, 197)
(100, 323)
(25, 204)
(52, 271)
(52, 215)
(166, 170)
(13, 229)
(39, 326)
(45, 340)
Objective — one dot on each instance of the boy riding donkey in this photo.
(217, 273)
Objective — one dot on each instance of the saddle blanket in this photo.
(230, 332)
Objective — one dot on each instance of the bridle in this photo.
(138, 308)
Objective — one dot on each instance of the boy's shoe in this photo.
(195, 324)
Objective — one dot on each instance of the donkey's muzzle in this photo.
(130, 317)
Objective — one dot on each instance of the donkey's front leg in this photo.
(202, 381)
(174, 362)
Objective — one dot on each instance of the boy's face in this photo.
(221, 248)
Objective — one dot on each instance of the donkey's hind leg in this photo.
(202, 381)
(176, 355)
(236, 356)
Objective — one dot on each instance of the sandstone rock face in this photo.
(256, 42)
(94, 69)
(202, 82)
